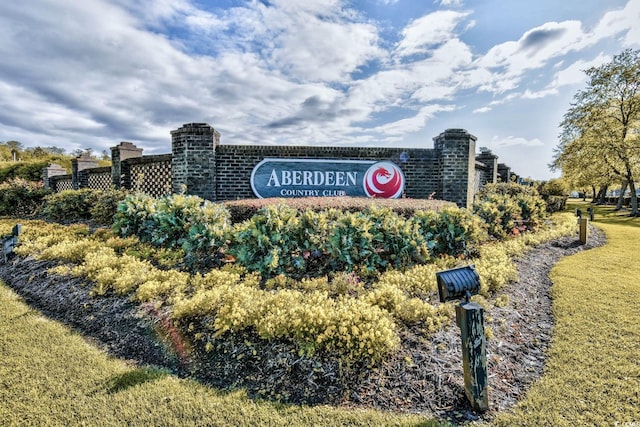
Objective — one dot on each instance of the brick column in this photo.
(124, 150)
(504, 172)
(457, 149)
(490, 160)
(193, 163)
(78, 166)
(53, 169)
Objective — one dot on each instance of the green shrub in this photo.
(242, 210)
(555, 203)
(28, 171)
(21, 198)
(508, 208)
(499, 212)
(273, 241)
(281, 240)
(105, 205)
(356, 245)
(197, 226)
(133, 216)
(71, 205)
(451, 231)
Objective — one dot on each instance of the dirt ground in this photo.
(425, 376)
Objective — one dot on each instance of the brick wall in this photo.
(199, 165)
(234, 164)
(121, 152)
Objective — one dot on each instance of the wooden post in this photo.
(583, 230)
(470, 318)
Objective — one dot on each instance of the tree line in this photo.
(600, 133)
(18, 161)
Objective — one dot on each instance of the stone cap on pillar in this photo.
(84, 162)
(126, 150)
(55, 169)
(198, 129)
(455, 133)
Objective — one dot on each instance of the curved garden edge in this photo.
(426, 376)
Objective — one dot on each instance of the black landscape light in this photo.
(458, 283)
(9, 242)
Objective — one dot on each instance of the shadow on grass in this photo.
(605, 214)
(135, 377)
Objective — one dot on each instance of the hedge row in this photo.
(280, 239)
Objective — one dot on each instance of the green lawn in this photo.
(593, 371)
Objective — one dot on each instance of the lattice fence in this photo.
(64, 184)
(100, 181)
(478, 181)
(153, 179)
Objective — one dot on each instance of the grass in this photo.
(592, 375)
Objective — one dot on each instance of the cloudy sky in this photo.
(91, 73)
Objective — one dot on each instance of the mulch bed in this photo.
(425, 376)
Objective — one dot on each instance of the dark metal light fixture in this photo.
(458, 283)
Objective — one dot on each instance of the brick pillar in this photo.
(53, 169)
(457, 149)
(124, 150)
(504, 172)
(78, 166)
(193, 163)
(490, 160)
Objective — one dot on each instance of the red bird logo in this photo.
(384, 180)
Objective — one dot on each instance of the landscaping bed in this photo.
(425, 375)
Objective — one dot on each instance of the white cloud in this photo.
(574, 74)
(431, 30)
(620, 21)
(511, 141)
(414, 123)
(509, 61)
(450, 2)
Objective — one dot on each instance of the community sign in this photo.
(274, 177)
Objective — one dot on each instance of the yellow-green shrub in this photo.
(417, 281)
(386, 296)
(415, 310)
(495, 268)
(70, 250)
(351, 327)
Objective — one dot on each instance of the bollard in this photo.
(584, 222)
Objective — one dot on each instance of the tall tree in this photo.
(16, 149)
(601, 130)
